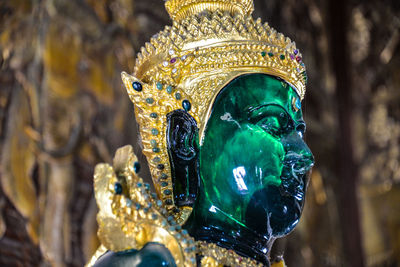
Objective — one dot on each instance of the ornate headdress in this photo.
(185, 66)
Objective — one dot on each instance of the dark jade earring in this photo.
(182, 145)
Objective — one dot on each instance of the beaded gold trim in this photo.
(130, 216)
(214, 256)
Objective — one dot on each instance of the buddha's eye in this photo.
(272, 118)
(270, 124)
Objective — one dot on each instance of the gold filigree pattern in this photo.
(179, 9)
(130, 216)
(214, 255)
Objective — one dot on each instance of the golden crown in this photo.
(179, 9)
(187, 64)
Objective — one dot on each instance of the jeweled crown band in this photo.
(219, 40)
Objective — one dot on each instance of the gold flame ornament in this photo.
(185, 66)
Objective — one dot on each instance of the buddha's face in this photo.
(253, 160)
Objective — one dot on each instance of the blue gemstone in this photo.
(298, 103)
(149, 100)
(136, 167)
(156, 149)
(163, 184)
(159, 86)
(169, 89)
(118, 188)
(137, 205)
(153, 143)
(154, 131)
(186, 105)
(147, 186)
(160, 167)
(167, 192)
(153, 115)
(164, 176)
(178, 96)
(137, 86)
(154, 216)
(159, 203)
(139, 184)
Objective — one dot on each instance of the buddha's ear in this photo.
(182, 144)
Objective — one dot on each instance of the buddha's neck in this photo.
(205, 224)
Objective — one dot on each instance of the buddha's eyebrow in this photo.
(264, 108)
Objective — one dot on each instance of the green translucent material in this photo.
(253, 166)
(253, 163)
(152, 254)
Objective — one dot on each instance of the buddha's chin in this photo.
(272, 214)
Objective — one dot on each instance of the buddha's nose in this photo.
(298, 154)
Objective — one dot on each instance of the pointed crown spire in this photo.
(180, 9)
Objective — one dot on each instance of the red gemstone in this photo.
(173, 60)
(298, 58)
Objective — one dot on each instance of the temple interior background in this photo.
(63, 109)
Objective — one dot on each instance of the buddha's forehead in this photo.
(252, 90)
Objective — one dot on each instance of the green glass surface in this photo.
(253, 163)
(253, 166)
(152, 254)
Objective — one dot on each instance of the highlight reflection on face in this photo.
(253, 161)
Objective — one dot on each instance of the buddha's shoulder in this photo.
(152, 254)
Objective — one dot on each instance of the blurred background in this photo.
(63, 109)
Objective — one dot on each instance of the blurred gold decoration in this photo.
(18, 162)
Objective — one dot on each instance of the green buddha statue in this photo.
(218, 100)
